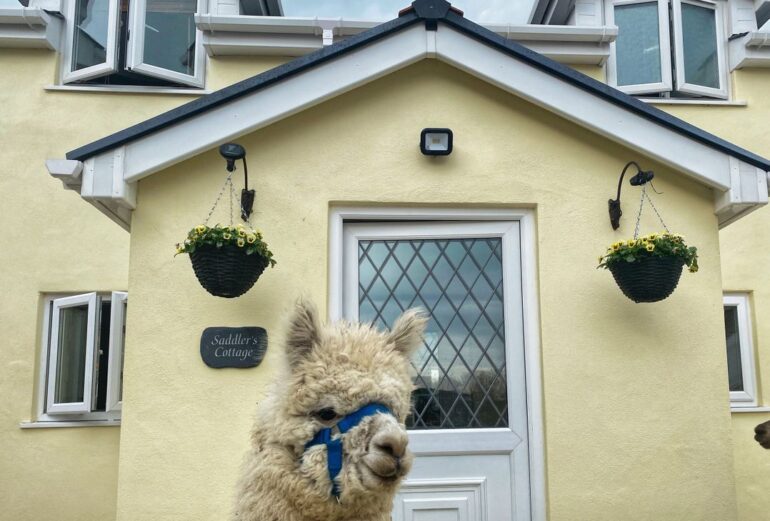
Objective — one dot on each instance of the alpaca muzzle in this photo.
(334, 445)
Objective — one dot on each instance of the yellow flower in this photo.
(251, 239)
(179, 249)
(693, 269)
(241, 233)
(200, 228)
(226, 236)
(630, 243)
(652, 236)
(650, 247)
(241, 242)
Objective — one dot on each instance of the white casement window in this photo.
(740, 350)
(82, 357)
(133, 42)
(673, 48)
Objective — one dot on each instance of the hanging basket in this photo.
(648, 279)
(227, 271)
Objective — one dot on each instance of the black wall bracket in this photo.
(641, 177)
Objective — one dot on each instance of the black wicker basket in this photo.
(227, 271)
(648, 279)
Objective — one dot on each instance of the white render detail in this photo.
(748, 190)
(29, 27)
(109, 178)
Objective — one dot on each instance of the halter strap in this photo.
(334, 446)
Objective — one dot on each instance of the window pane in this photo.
(71, 364)
(459, 373)
(123, 346)
(734, 366)
(169, 35)
(90, 39)
(637, 47)
(701, 64)
(381, 10)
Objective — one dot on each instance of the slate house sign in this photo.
(233, 346)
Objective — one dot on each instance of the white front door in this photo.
(468, 427)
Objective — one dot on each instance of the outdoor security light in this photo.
(436, 141)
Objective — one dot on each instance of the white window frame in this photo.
(530, 313)
(747, 397)
(666, 83)
(135, 52)
(721, 40)
(100, 69)
(59, 304)
(115, 362)
(56, 418)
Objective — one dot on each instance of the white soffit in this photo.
(110, 177)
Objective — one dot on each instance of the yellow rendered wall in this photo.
(745, 250)
(635, 417)
(55, 242)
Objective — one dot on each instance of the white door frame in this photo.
(530, 306)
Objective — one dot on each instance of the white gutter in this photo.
(751, 50)
(294, 36)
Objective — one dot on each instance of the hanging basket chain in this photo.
(644, 196)
(656, 212)
(639, 215)
(233, 196)
(229, 181)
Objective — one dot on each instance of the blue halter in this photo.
(334, 446)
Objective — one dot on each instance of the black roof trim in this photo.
(243, 87)
(407, 18)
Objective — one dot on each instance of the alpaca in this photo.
(762, 436)
(334, 371)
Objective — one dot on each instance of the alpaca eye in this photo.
(326, 414)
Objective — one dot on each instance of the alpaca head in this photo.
(335, 371)
(762, 434)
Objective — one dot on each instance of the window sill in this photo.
(755, 409)
(715, 102)
(127, 89)
(83, 423)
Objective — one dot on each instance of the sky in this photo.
(487, 11)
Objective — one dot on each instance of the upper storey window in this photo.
(505, 11)
(133, 42)
(671, 48)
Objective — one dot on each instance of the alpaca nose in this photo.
(391, 443)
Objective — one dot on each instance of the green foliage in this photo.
(250, 240)
(652, 245)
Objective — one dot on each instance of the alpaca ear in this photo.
(406, 334)
(304, 332)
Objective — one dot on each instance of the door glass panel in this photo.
(734, 366)
(169, 35)
(637, 47)
(701, 64)
(459, 372)
(90, 38)
(71, 363)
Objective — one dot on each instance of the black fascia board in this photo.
(602, 90)
(244, 87)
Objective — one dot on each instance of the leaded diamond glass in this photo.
(459, 373)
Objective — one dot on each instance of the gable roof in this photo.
(430, 13)
(428, 29)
